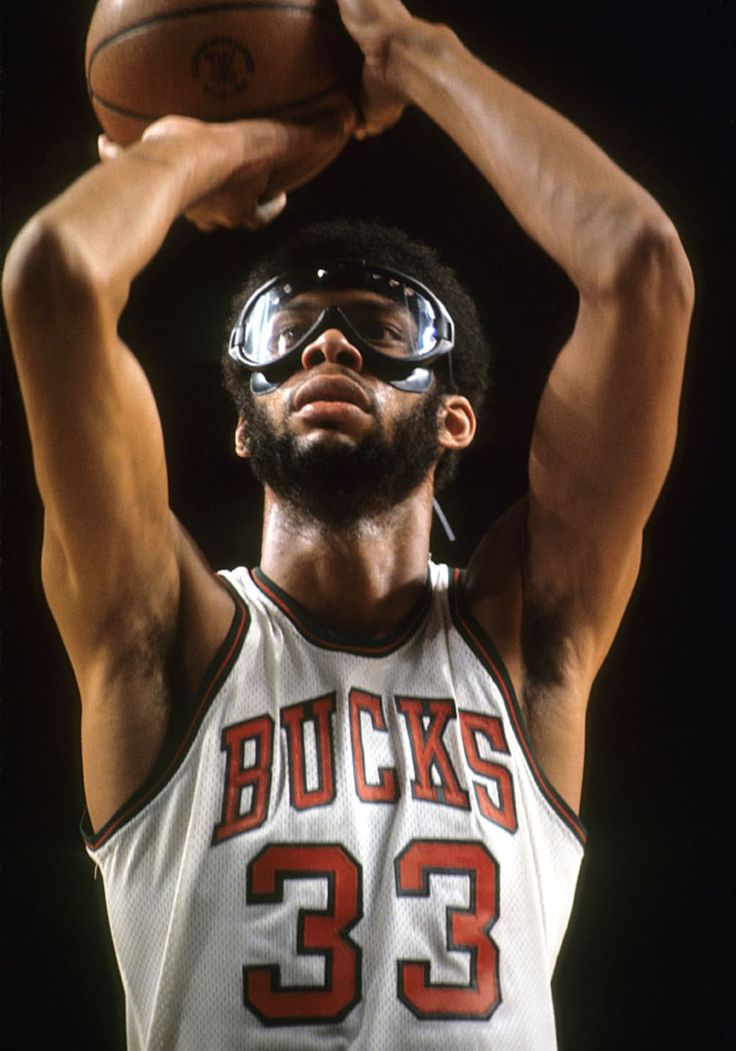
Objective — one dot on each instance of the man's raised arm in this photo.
(115, 562)
(606, 425)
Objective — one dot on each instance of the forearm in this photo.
(110, 223)
(563, 190)
(90, 411)
(105, 228)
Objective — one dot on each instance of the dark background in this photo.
(647, 960)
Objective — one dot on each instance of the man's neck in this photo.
(363, 580)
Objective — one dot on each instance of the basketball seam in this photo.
(121, 111)
(193, 12)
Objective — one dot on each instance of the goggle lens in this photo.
(401, 328)
(396, 323)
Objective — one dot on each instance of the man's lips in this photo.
(330, 388)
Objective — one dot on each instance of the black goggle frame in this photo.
(406, 373)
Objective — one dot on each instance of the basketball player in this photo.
(334, 799)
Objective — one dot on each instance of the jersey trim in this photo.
(332, 640)
(484, 649)
(218, 670)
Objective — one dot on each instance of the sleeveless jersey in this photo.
(353, 847)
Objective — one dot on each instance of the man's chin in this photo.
(345, 425)
(327, 435)
(330, 475)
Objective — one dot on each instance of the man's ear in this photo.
(457, 422)
(242, 441)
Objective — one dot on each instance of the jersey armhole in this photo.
(178, 746)
(484, 649)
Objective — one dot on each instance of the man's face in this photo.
(334, 442)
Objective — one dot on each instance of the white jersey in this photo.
(353, 847)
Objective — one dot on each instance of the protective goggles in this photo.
(399, 327)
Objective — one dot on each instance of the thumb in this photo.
(319, 132)
(107, 149)
(265, 212)
(380, 107)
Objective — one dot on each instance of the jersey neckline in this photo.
(328, 639)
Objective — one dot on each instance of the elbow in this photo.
(648, 264)
(41, 257)
(657, 264)
(21, 265)
(633, 255)
(47, 275)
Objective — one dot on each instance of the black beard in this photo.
(337, 484)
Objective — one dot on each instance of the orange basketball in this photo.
(216, 61)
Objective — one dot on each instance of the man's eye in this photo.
(385, 333)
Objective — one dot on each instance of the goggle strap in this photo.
(443, 520)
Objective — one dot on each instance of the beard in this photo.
(339, 485)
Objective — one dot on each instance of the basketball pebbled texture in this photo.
(215, 60)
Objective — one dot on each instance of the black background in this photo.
(647, 960)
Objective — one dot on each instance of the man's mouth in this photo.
(330, 389)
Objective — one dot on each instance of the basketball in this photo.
(216, 61)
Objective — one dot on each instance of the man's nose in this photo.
(332, 346)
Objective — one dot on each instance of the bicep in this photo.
(603, 442)
(99, 454)
(96, 437)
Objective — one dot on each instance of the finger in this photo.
(300, 166)
(165, 127)
(204, 224)
(220, 213)
(378, 113)
(265, 212)
(107, 149)
(280, 142)
(334, 124)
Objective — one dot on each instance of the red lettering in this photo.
(429, 751)
(467, 930)
(238, 778)
(320, 932)
(294, 720)
(311, 763)
(387, 789)
(491, 728)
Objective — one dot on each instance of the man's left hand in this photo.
(374, 25)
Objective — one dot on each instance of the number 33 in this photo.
(326, 932)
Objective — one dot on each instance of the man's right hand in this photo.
(239, 173)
